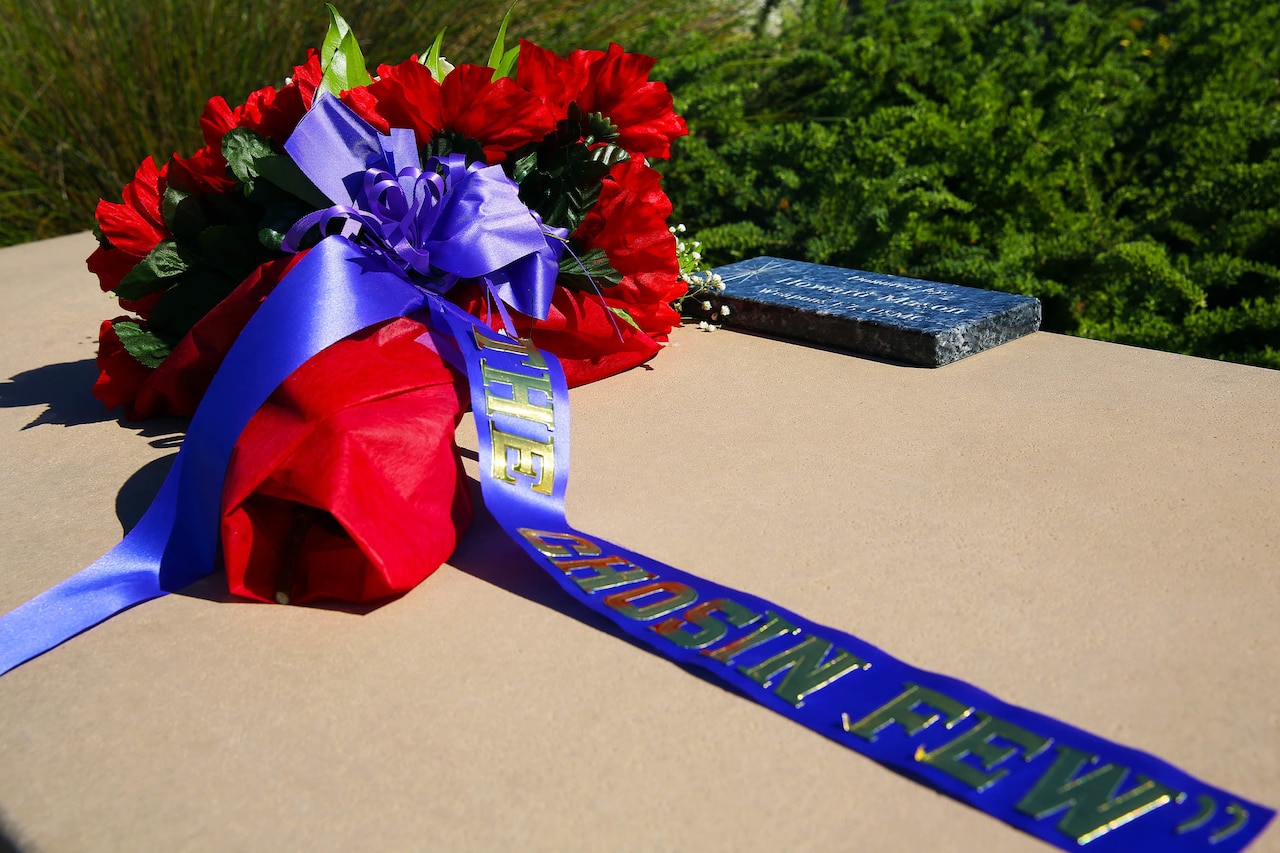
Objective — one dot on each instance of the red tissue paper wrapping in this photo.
(347, 483)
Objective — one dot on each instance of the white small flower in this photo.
(288, 81)
(724, 310)
(704, 325)
(680, 228)
(706, 306)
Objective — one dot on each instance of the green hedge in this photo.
(1121, 163)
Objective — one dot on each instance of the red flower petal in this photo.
(136, 226)
(618, 85)
(216, 120)
(499, 115)
(120, 375)
(203, 172)
(110, 265)
(629, 223)
(554, 80)
(404, 95)
(306, 77)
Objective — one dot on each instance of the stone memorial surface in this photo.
(901, 319)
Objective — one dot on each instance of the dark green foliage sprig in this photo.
(1121, 162)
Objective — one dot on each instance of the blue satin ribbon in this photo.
(1047, 778)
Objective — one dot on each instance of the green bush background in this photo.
(1118, 161)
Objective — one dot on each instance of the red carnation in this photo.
(553, 79)
(133, 228)
(629, 223)
(404, 95)
(120, 375)
(268, 111)
(498, 114)
(617, 84)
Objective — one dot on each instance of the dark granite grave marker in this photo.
(902, 319)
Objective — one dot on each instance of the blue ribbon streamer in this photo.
(1050, 779)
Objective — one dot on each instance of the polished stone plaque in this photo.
(900, 319)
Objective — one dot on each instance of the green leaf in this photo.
(233, 250)
(626, 318)
(433, 60)
(183, 214)
(191, 297)
(501, 60)
(600, 128)
(155, 272)
(524, 166)
(507, 67)
(341, 62)
(252, 159)
(286, 174)
(141, 344)
(448, 142)
(242, 148)
(593, 265)
(609, 155)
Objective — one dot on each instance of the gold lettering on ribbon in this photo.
(605, 577)
(1094, 806)
(805, 671)
(712, 630)
(538, 539)
(532, 357)
(527, 453)
(775, 626)
(677, 595)
(902, 710)
(977, 742)
(519, 405)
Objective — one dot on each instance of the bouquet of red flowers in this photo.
(346, 484)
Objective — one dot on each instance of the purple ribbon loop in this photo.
(438, 225)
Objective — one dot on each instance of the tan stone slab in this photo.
(1081, 528)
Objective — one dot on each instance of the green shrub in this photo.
(1121, 163)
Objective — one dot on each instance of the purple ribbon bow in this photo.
(434, 226)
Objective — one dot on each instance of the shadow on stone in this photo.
(485, 552)
(62, 388)
(137, 493)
